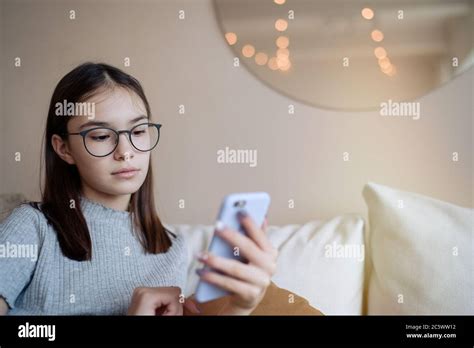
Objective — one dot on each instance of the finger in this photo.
(152, 301)
(142, 303)
(245, 272)
(265, 225)
(173, 308)
(191, 305)
(255, 233)
(244, 290)
(273, 251)
(248, 249)
(141, 309)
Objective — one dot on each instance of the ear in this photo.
(61, 147)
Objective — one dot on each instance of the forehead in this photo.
(117, 106)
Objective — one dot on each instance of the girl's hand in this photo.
(156, 301)
(246, 281)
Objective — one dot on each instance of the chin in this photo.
(123, 188)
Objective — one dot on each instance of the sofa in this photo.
(412, 255)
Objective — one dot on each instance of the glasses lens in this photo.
(145, 136)
(100, 141)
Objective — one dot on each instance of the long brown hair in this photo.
(62, 181)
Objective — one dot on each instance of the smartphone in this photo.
(255, 204)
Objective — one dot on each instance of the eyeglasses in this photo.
(102, 141)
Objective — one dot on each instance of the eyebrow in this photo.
(106, 124)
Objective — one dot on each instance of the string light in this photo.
(380, 52)
(281, 61)
(376, 35)
(248, 51)
(286, 66)
(384, 63)
(281, 24)
(261, 58)
(231, 38)
(272, 63)
(282, 41)
(391, 70)
(283, 52)
(367, 13)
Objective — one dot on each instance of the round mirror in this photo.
(350, 54)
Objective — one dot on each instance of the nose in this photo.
(124, 150)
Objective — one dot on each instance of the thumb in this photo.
(191, 305)
(173, 308)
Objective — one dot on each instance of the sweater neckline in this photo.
(96, 209)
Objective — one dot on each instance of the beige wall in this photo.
(187, 62)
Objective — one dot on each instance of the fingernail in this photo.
(242, 213)
(201, 271)
(202, 256)
(195, 308)
(219, 225)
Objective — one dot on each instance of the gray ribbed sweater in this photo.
(46, 282)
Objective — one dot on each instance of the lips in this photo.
(125, 170)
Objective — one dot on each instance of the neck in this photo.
(117, 202)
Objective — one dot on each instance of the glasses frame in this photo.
(118, 132)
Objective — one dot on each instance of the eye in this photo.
(100, 137)
(139, 131)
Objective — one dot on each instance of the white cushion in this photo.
(422, 254)
(197, 239)
(323, 262)
(317, 260)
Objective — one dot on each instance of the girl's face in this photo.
(119, 109)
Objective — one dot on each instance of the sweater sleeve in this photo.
(19, 250)
(183, 267)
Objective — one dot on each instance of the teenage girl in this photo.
(101, 248)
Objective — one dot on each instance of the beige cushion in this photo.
(421, 252)
(274, 302)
